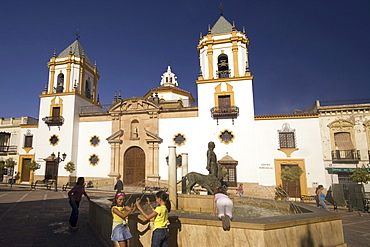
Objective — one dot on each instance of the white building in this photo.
(131, 137)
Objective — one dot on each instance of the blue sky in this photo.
(300, 51)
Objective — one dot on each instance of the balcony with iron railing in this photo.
(53, 120)
(345, 156)
(226, 112)
(8, 149)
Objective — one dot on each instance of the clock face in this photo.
(94, 141)
(54, 140)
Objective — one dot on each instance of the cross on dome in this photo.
(169, 78)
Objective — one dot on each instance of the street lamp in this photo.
(57, 161)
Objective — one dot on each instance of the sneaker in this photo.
(73, 227)
(227, 223)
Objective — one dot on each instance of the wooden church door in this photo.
(134, 166)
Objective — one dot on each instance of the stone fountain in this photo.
(307, 226)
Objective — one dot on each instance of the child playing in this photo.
(120, 231)
(160, 232)
(75, 196)
(224, 207)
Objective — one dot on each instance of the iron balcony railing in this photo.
(8, 149)
(345, 156)
(223, 73)
(53, 120)
(229, 111)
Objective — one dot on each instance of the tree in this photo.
(70, 167)
(360, 175)
(291, 173)
(10, 163)
(33, 166)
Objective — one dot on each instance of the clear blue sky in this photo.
(300, 51)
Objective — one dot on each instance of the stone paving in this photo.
(40, 218)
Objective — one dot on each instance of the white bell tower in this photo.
(225, 81)
(225, 92)
(72, 87)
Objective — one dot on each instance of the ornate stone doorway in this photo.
(134, 166)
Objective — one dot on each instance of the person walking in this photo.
(224, 207)
(160, 214)
(120, 232)
(119, 185)
(75, 196)
(321, 197)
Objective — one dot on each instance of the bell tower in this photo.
(225, 81)
(72, 88)
(223, 52)
(72, 72)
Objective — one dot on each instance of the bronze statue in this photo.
(212, 166)
(210, 181)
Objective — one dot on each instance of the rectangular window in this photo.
(224, 103)
(28, 141)
(56, 111)
(343, 141)
(4, 141)
(287, 140)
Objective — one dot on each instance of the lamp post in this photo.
(57, 161)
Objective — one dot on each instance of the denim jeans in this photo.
(74, 215)
(160, 237)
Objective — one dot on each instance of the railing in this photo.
(223, 73)
(230, 111)
(345, 156)
(53, 120)
(8, 149)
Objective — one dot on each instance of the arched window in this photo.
(223, 66)
(88, 89)
(60, 84)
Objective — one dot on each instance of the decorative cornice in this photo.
(239, 78)
(285, 116)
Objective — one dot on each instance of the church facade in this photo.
(131, 138)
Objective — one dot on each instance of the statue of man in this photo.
(212, 160)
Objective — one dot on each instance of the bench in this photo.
(152, 189)
(68, 185)
(42, 183)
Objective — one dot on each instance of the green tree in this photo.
(33, 166)
(10, 163)
(291, 173)
(360, 175)
(70, 167)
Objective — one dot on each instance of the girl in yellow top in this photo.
(160, 214)
(120, 231)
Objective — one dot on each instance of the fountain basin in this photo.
(315, 227)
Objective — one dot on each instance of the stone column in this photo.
(172, 181)
(184, 171)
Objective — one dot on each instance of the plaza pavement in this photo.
(40, 218)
